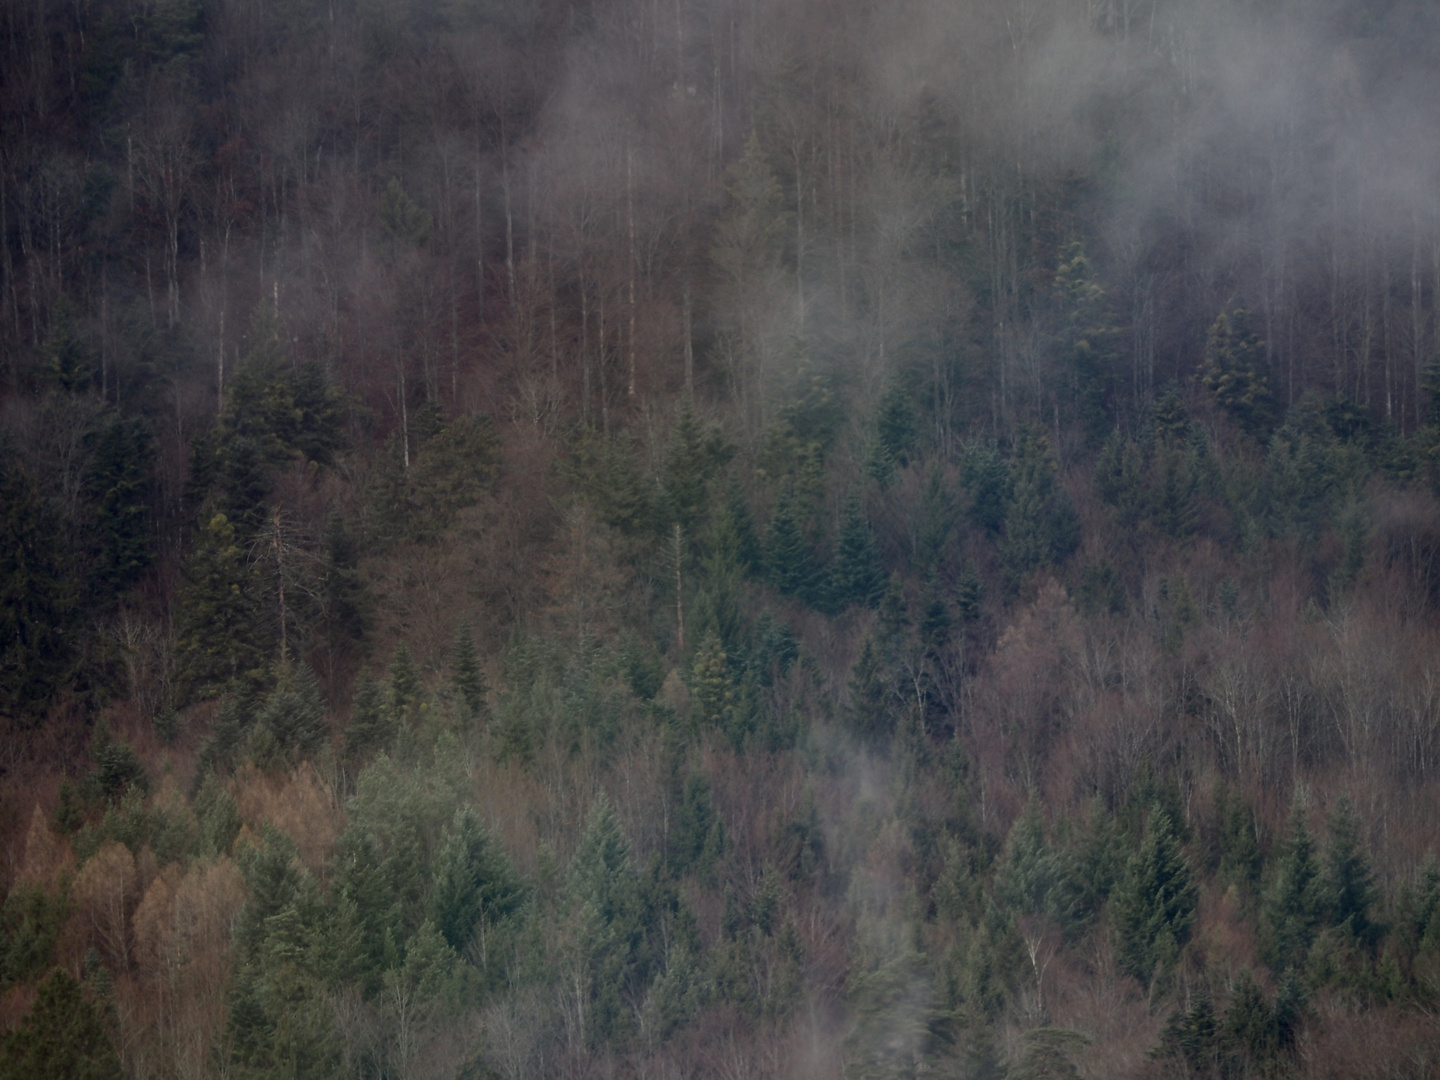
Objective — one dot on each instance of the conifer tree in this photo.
(1294, 901)
(858, 577)
(406, 689)
(118, 480)
(734, 547)
(1154, 904)
(474, 883)
(894, 439)
(344, 605)
(1234, 370)
(1348, 882)
(466, 673)
(1088, 337)
(372, 725)
(61, 1038)
(789, 560)
(222, 639)
(1040, 523)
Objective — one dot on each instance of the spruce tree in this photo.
(1348, 882)
(1234, 371)
(1295, 899)
(118, 482)
(1040, 523)
(858, 577)
(61, 1038)
(372, 725)
(789, 560)
(474, 883)
(466, 673)
(1154, 904)
(406, 689)
(222, 639)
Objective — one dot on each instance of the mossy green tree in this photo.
(1041, 527)
(1154, 904)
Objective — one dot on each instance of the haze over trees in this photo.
(787, 539)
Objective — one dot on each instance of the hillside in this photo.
(719, 539)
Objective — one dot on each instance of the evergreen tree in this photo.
(1294, 900)
(406, 689)
(1040, 523)
(222, 639)
(343, 601)
(987, 481)
(118, 480)
(789, 561)
(1234, 370)
(37, 596)
(466, 673)
(1154, 904)
(62, 1037)
(734, 547)
(293, 713)
(935, 520)
(691, 463)
(858, 577)
(1348, 883)
(1031, 879)
(475, 885)
(372, 725)
(894, 439)
(1088, 338)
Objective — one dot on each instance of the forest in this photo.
(719, 539)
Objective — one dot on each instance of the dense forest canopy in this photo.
(719, 538)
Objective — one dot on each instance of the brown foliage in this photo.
(47, 853)
(298, 803)
(104, 893)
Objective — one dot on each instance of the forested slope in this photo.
(722, 539)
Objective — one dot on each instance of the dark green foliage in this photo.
(894, 439)
(1294, 900)
(1190, 1034)
(406, 225)
(117, 766)
(610, 919)
(37, 596)
(217, 816)
(466, 673)
(406, 689)
(1100, 591)
(30, 923)
(223, 637)
(1048, 1055)
(1040, 523)
(1234, 371)
(63, 1037)
(1032, 878)
(606, 475)
(790, 564)
(475, 886)
(372, 725)
(900, 1027)
(344, 604)
(734, 547)
(1154, 903)
(875, 701)
(935, 519)
(1348, 882)
(293, 715)
(858, 576)
(692, 462)
(697, 838)
(118, 483)
(1088, 339)
(987, 481)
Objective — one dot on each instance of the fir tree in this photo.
(62, 1037)
(344, 605)
(858, 577)
(733, 544)
(406, 689)
(118, 481)
(1294, 900)
(1088, 338)
(1348, 883)
(894, 438)
(222, 639)
(1040, 523)
(466, 673)
(474, 884)
(789, 560)
(1234, 371)
(987, 481)
(1154, 904)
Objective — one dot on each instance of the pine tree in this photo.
(789, 560)
(1154, 906)
(691, 463)
(343, 601)
(858, 577)
(62, 1037)
(293, 713)
(37, 596)
(474, 883)
(222, 639)
(1234, 370)
(1348, 882)
(894, 438)
(734, 547)
(987, 481)
(466, 673)
(1088, 339)
(1040, 523)
(372, 725)
(1294, 900)
(406, 689)
(118, 480)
